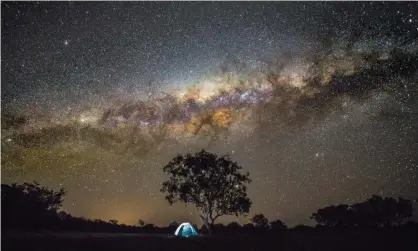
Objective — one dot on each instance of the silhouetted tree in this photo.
(341, 216)
(234, 225)
(302, 227)
(214, 184)
(383, 212)
(62, 215)
(374, 212)
(173, 224)
(260, 221)
(218, 228)
(277, 225)
(114, 222)
(141, 223)
(29, 205)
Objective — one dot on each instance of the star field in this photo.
(318, 101)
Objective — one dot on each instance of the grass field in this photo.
(283, 241)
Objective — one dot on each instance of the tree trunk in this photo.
(207, 224)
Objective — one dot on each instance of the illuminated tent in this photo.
(186, 230)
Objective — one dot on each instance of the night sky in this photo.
(318, 101)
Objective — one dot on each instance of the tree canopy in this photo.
(29, 205)
(374, 212)
(213, 184)
(260, 221)
(277, 225)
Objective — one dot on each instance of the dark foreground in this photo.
(284, 241)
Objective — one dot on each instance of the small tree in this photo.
(173, 224)
(213, 184)
(141, 223)
(277, 225)
(260, 221)
(114, 222)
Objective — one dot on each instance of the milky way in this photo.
(318, 101)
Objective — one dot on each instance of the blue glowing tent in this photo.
(186, 230)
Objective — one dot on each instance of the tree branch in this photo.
(216, 216)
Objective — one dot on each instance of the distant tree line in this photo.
(30, 207)
(373, 213)
(215, 185)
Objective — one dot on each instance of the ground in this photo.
(284, 241)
